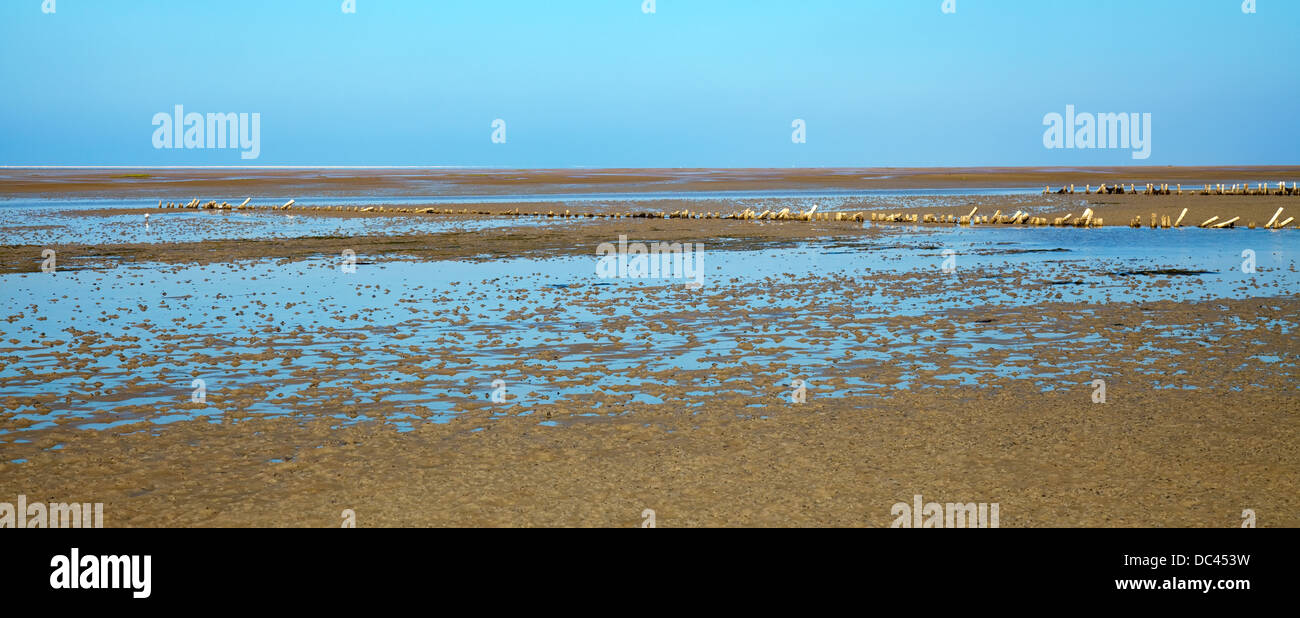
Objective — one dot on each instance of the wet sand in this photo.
(1146, 458)
(664, 397)
(575, 229)
(575, 237)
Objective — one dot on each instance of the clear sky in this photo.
(600, 83)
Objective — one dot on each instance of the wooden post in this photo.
(1274, 219)
(1226, 223)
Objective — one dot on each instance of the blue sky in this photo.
(600, 83)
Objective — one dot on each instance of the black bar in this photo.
(327, 567)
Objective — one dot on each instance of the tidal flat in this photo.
(275, 367)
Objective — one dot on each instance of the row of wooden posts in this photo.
(1087, 218)
(196, 203)
(1214, 222)
(784, 214)
(1164, 189)
(749, 214)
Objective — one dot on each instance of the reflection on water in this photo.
(408, 341)
(26, 226)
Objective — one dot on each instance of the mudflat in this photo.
(159, 183)
(823, 372)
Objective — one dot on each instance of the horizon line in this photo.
(584, 167)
